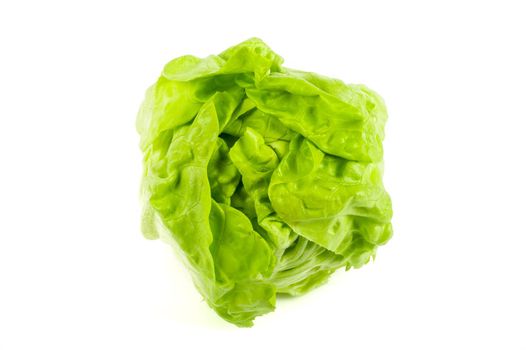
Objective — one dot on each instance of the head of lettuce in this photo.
(264, 179)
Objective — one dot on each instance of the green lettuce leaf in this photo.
(264, 179)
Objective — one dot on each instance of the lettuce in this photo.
(264, 179)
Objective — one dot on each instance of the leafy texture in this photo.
(264, 179)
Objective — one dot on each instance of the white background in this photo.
(75, 272)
